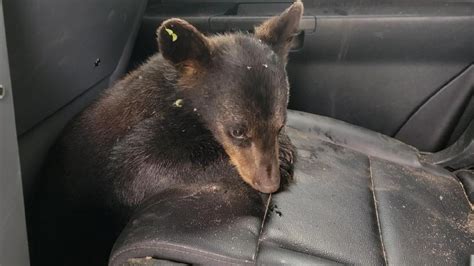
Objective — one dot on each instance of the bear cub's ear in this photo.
(278, 31)
(181, 43)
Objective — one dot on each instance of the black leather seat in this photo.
(359, 197)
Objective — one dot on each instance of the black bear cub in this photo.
(204, 109)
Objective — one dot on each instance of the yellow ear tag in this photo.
(178, 103)
(173, 35)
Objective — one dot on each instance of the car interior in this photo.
(381, 112)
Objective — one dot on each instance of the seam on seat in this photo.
(379, 226)
(195, 252)
(463, 187)
(259, 240)
(309, 254)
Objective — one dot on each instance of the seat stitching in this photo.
(260, 233)
(316, 255)
(464, 189)
(188, 251)
(379, 225)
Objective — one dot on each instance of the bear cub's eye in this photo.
(238, 133)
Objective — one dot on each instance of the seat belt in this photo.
(13, 237)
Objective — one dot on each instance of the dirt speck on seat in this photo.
(274, 209)
(470, 223)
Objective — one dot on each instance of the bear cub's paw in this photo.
(287, 159)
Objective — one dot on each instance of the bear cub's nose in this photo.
(267, 179)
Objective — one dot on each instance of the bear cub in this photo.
(204, 110)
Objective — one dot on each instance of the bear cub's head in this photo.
(238, 85)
